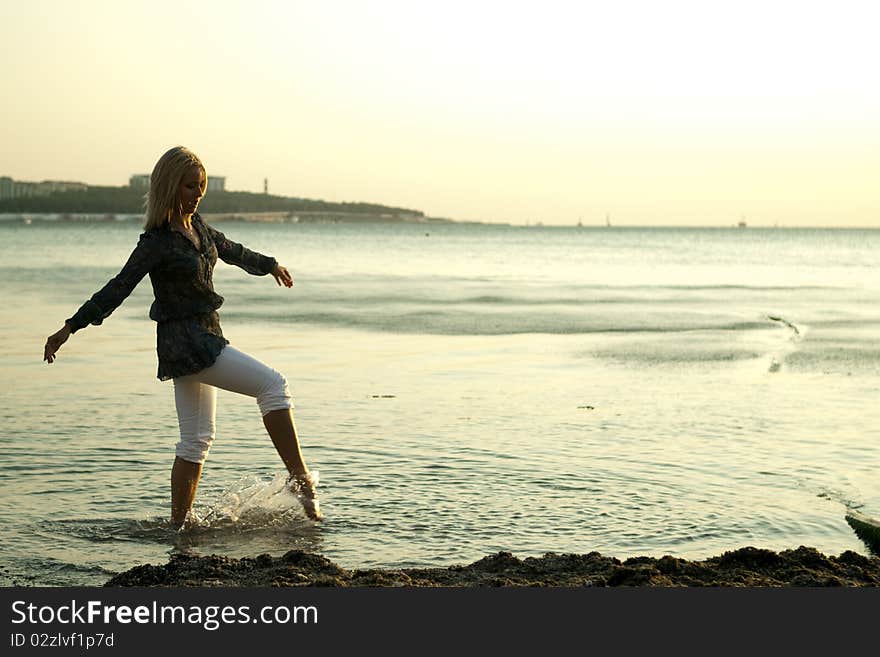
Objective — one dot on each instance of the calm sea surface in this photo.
(461, 389)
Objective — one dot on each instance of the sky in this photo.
(678, 112)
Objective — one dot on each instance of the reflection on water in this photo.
(253, 516)
(628, 391)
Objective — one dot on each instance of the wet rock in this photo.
(630, 576)
(497, 563)
(749, 557)
(854, 559)
(668, 565)
(866, 528)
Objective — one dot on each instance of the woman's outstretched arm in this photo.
(233, 253)
(54, 343)
(144, 257)
(282, 276)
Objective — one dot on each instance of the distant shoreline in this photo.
(129, 201)
(283, 217)
(330, 217)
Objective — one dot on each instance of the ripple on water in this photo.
(252, 516)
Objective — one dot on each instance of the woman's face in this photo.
(192, 189)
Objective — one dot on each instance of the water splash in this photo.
(250, 503)
(795, 335)
(782, 320)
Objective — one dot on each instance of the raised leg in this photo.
(282, 431)
(237, 372)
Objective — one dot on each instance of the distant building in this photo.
(139, 181)
(142, 181)
(10, 188)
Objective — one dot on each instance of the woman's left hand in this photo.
(282, 276)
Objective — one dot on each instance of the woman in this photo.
(178, 250)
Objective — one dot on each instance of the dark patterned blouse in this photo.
(188, 335)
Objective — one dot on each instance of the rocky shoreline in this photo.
(745, 567)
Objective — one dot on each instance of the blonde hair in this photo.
(163, 199)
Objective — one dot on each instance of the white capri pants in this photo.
(196, 397)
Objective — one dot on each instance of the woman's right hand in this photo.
(54, 342)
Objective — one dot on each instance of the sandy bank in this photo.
(744, 567)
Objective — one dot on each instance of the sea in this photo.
(461, 389)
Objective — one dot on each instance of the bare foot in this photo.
(303, 488)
